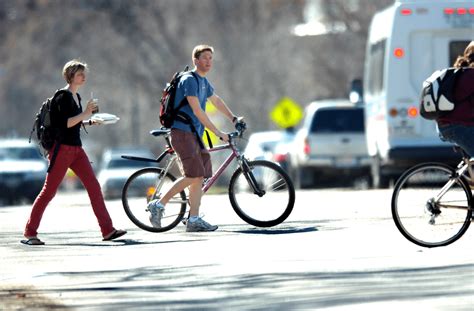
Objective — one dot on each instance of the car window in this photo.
(18, 153)
(338, 121)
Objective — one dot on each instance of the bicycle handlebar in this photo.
(240, 127)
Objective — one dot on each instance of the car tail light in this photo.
(406, 12)
(306, 147)
(412, 112)
(449, 11)
(279, 157)
(399, 52)
(393, 112)
(458, 11)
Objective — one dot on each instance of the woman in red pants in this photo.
(67, 116)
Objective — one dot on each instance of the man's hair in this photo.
(71, 68)
(199, 49)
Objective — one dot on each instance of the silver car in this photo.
(22, 171)
(115, 170)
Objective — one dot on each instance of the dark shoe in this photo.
(114, 235)
(32, 241)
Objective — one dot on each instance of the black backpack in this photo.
(168, 112)
(437, 93)
(46, 134)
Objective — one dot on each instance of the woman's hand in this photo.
(91, 107)
(90, 122)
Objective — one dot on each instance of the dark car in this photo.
(22, 171)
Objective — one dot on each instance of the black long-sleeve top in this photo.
(67, 108)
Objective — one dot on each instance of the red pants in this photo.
(75, 158)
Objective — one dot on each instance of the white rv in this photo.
(407, 42)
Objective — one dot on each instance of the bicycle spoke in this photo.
(147, 185)
(265, 210)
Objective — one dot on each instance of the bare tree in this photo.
(133, 48)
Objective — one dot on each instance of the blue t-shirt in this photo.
(189, 86)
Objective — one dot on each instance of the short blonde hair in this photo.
(199, 49)
(72, 67)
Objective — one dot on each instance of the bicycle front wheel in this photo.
(148, 184)
(275, 201)
(430, 206)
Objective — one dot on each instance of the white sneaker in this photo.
(157, 210)
(199, 225)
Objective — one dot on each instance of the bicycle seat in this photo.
(160, 132)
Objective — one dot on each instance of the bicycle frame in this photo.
(208, 183)
(463, 166)
(234, 154)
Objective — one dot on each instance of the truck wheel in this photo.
(302, 177)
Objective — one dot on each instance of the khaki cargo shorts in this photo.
(195, 162)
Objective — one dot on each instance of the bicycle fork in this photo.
(247, 172)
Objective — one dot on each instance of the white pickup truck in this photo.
(330, 144)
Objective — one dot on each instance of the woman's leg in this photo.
(50, 187)
(461, 135)
(83, 169)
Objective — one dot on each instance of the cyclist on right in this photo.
(458, 126)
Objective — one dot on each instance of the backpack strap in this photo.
(209, 141)
(53, 156)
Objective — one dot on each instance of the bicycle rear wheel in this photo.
(273, 205)
(148, 184)
(423, 219)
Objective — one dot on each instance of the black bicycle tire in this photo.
(134, 219)
(399, 184)
(256, 222)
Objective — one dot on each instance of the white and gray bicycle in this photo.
(432, 202)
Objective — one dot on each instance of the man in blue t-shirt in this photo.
(195, 161)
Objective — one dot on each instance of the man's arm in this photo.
(222, 107)
(203, 118)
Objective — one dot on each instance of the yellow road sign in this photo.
(286, 113)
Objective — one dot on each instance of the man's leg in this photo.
(179, 185)
(195, 195)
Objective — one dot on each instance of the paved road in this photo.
(338, 250)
